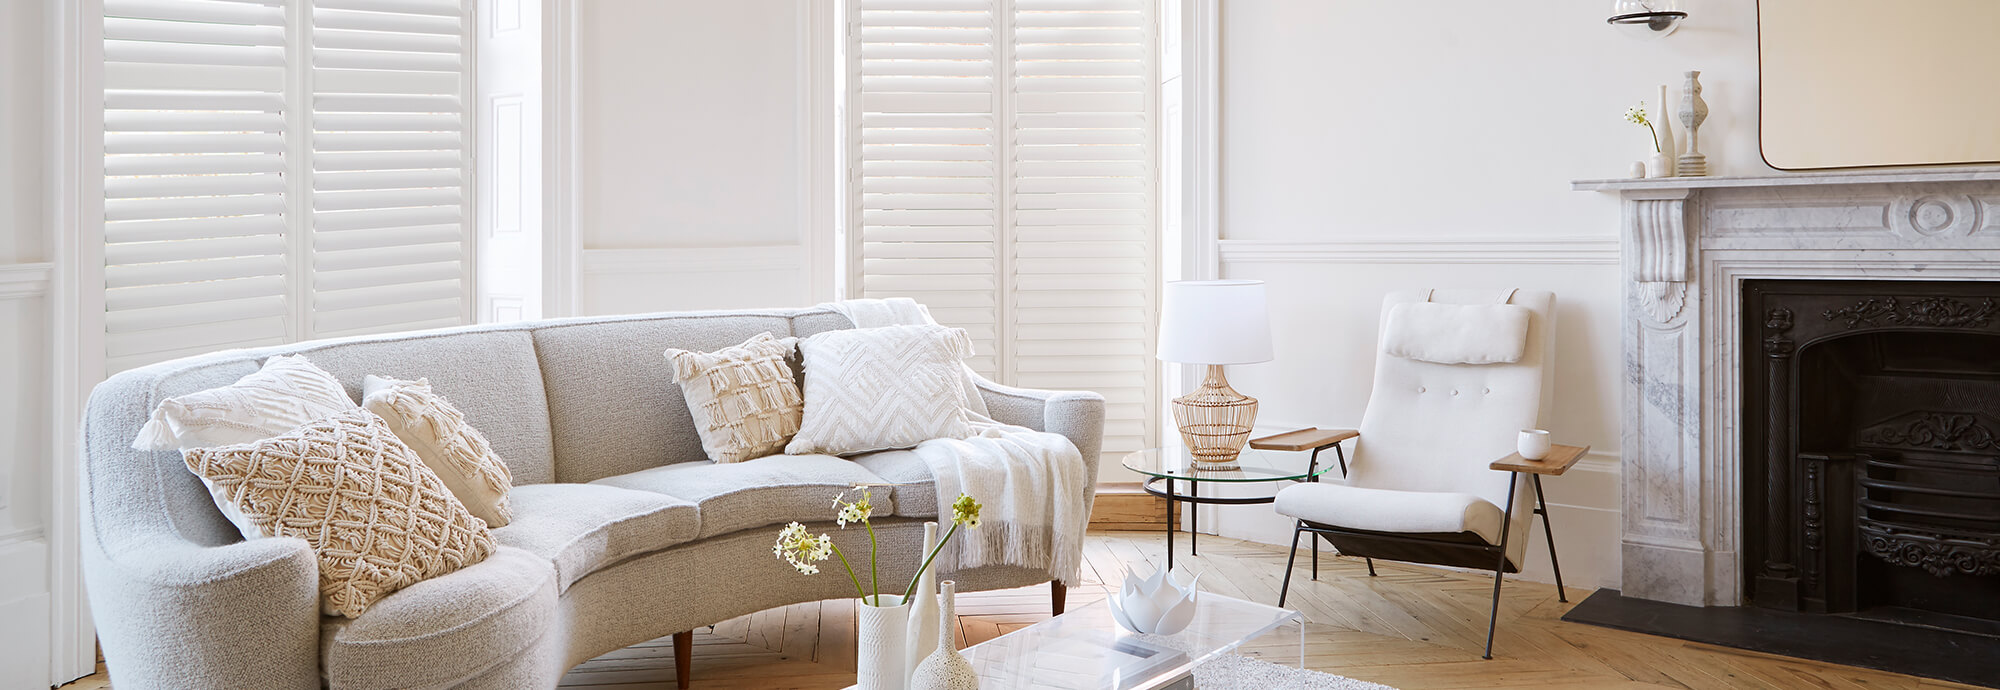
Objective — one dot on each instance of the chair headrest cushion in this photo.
(1457, 333)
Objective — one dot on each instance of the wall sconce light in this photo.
(1646, 18)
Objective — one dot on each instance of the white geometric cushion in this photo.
(1386, 510)
(743, 399)
(873, 389)
(437, 431)
(283, 395)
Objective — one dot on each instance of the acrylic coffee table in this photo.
(1085, 647)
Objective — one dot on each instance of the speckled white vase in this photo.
(882, 662)
(945, 669)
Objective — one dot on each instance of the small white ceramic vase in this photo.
(881, 662)
(945, 668)
(1534, 444)
(1667, 146)
(1659, 165)
(1638, 170)
(1162, 603)
(923, 635)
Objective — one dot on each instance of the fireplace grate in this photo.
(1941, 515)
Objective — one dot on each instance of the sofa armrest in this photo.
(1076, 415)
(173, 614)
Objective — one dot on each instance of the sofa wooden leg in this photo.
(1057, 591)
(683, 658)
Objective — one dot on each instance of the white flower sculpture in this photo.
(1160, 604)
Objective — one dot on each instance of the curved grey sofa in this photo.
(623, 531)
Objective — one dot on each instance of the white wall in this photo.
(690, 164)
(1374, 146)
(24, 355)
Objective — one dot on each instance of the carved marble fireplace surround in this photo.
(1688, 244)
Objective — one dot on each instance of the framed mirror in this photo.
(1867, 83)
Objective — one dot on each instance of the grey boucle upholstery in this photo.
(767, 491)
(181, 601)
(581, 527)
(605, 376)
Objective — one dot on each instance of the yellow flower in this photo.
(965, 511)
(1637, 114)
(801, 549)
(858, 511)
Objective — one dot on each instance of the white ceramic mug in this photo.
(1534, 444)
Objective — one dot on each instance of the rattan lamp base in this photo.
(1215, 421)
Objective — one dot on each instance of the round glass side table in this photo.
(1170, 474)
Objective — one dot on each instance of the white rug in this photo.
(1231, 671)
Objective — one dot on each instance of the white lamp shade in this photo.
(1215, 322)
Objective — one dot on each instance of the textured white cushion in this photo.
(743, 398)
(437, 431)
(377, 518)
(1457, 333)
(1386, 510)
(283, 395)
(873, 389)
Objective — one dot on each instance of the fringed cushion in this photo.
(745, 403)
(437, 432)
(871, 389)
(377, 517)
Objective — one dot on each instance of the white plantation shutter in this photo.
(389, 166)
(239, 154)
(1004, 173)
(195, 227)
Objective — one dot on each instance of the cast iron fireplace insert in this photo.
(1871, 448)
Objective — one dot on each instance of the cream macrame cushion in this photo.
(377, 517)
(286, 393)
(744, 400)
(437, 431)
(873, 389)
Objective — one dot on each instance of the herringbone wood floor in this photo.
(1412, 627)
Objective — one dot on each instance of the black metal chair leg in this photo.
(1316, 557)
(1548, 532)
(1500, 569)
(1371, 566)
(1285, 588)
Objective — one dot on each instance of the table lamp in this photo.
(1215, 322)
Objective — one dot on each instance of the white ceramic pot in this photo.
(1534, 444)
(882, 660)
(1659, 165)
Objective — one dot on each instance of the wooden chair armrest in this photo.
(1560, 459)
(1308, 438)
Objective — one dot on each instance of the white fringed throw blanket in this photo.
(1026, 480)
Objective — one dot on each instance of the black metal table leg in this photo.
(1170, 523)
(1549, 533)
(1194, 521)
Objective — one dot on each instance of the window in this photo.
(1003, 170)
(282, 170)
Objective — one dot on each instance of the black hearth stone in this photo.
(1838, 639)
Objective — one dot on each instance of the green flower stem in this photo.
(850, 572)
(1656, 137)
(912, 590)
(874, 573)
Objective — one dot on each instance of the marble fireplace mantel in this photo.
(1687, 245)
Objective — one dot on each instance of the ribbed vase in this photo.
(945, 668)
(882, 662)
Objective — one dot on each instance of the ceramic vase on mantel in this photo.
(1693, 111)
(1666, 143)
(923, 607)
(946, 669)
(881, 661)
